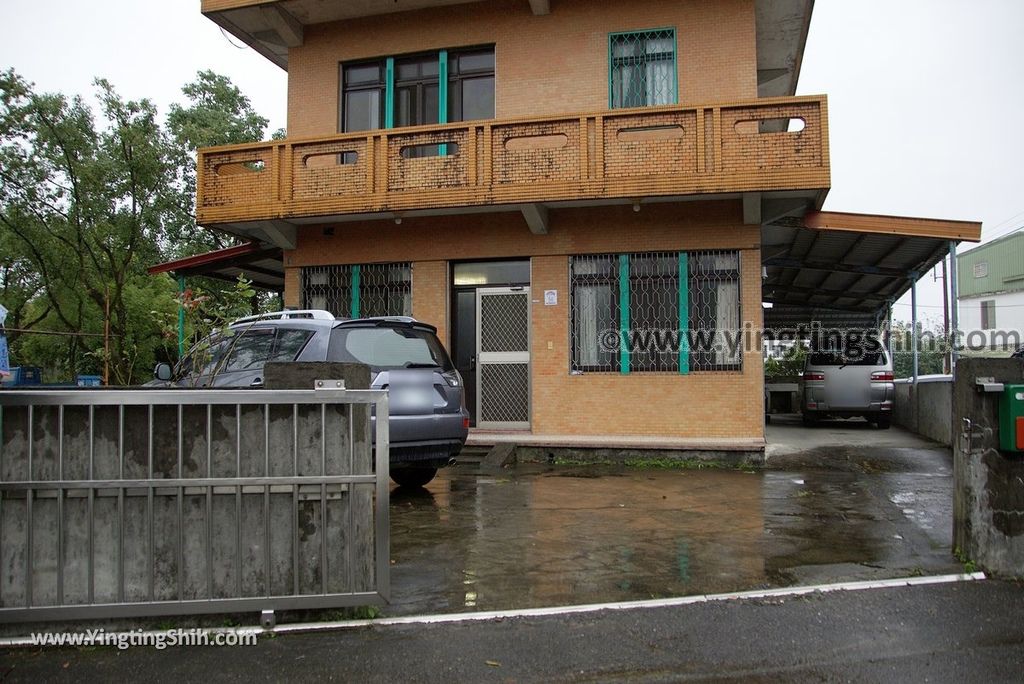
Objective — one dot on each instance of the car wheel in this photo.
(883, 422)
(412, 476)
(810, 420)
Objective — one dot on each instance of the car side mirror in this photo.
(162, 372)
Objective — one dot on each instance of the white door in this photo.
(503, 358)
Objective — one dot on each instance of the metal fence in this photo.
(157, 502)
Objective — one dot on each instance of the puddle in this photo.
(546, 535)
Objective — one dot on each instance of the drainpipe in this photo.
(954, 306)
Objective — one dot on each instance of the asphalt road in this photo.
(958, 632)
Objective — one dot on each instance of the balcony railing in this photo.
(658, 151)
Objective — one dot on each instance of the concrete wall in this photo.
(926, 408)
(988, 505)
(185, 543)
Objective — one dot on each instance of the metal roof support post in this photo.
(953, 334)
(913, 322)
(888, 328)
(181, 316)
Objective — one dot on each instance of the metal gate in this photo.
(158, 502)
(503, 358)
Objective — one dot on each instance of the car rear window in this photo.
(829, 358)
(388, 348)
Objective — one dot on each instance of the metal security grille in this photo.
(655, 311)
(594, 312)
(504, 393)
(328, 288)
(714, 304)
(363, 290)
(642, 68)
(503, 355)
(385, 290)
(144, 503)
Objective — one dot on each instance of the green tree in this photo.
(932, 349)
(216, 113)
(85, 203)
(88, 200)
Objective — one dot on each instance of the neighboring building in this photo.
(990, 281)
(538, 178)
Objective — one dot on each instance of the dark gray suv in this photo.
(428, 420)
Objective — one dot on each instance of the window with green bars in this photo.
(642, 68)
(626, 310)
(360, 290)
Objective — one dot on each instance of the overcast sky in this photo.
(926, 97)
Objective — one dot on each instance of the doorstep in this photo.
(524, 438)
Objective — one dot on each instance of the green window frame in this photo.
(643, 69)
(455, 70)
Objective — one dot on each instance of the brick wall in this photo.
(720, 404)
(544, 65)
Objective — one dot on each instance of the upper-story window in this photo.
(471, 85)
(642, 68)
(406, 91)
(417, 90)
(362, 99)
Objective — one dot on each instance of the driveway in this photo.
(847, 502)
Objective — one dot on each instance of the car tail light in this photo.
(465, 423)
(814, 376)
(882, 376)
(452, 377)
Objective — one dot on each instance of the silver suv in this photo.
(835, 386)
(427, 418)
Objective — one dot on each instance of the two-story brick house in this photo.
(542, 181)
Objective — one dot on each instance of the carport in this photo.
(846, 270)
(260, 264)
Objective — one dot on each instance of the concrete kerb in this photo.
(299, 628)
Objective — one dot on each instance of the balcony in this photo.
(727, 150)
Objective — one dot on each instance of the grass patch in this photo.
(684, 464)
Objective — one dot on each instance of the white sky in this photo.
(926, 97)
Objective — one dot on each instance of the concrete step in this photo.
(472, 454)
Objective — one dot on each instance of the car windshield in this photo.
(388, 348)
(834, 358)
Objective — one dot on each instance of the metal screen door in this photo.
(503, 358)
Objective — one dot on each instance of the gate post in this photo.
(988, 497)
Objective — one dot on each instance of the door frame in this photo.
(506, 357)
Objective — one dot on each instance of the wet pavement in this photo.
(546, 535)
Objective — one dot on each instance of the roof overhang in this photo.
(263, 266)
(272, 27)
(846, 269)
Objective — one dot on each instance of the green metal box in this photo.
(1011, 418)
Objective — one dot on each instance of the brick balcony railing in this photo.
(627, 153)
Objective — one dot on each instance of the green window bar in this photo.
(642, 68)
(389, 93)
(355, 291)
(442, 95)
(623, 313)
(684, 314)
